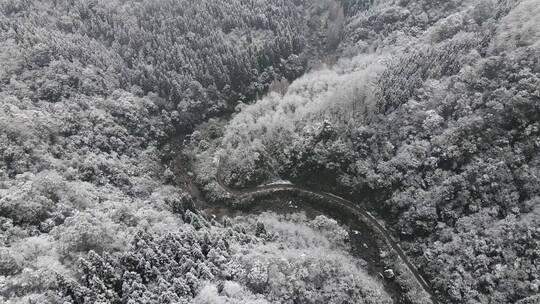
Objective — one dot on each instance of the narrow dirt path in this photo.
(338, 201)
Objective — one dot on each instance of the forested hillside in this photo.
(431, 118)
(265, 259)
(94, 98)
(114, 113)
(200, 57)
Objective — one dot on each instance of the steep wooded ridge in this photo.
(338, 202)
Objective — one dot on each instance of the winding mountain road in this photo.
(338, 201)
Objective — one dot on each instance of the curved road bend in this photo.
(337, 200)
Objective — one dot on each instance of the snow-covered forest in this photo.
(210, 151)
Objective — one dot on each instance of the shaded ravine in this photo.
(338, 201)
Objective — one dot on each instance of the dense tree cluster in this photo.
(202, 57)
(436, 126)
(263, 259)
(373, 25)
